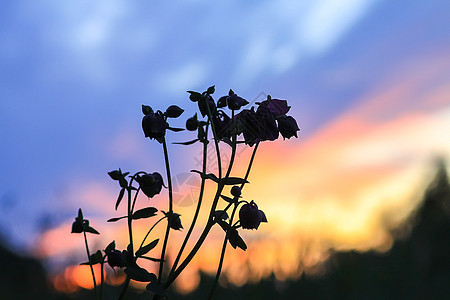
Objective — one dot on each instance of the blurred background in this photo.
(348, 202)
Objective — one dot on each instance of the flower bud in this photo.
(175, 221)
(77, 226)
(235, 191)
(192, 123)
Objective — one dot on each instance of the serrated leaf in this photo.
(186, 143)
(91, 230)
(144, 213)
(233, 180)
(235, 239)
(220, 215)
(175, 129)
(147, 248)
(139, 274)
(156, 288)
(110, 247)
(119, 198)
(207, 176)
(228, 199)
(116, 219)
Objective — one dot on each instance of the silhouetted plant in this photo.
(266, 123)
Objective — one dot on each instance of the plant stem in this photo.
(208, 227)
(199, 203)
(90, 264)
(224, 245)
(148, 232)
(102, 278)
(130, 220)
(219, 268)
(166, 237)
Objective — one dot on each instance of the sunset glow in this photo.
(368, 82)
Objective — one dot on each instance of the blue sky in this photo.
(75, 73)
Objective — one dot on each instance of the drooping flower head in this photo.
(150, 184)
(154, 124)
(233, 101)
(116, 258)
(250, 216)
(288, 126)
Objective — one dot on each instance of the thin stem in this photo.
(216, 141)
(90, 264)
(102, 278)
(166, 237)
(148, 232)
(135, 197)
(224, 245)
(130, 220)
(199, 203)
(208, 227)
(219, 268)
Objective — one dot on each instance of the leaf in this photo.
(146, 110)
(147, 248)
(110, 247)
(211, 90)
(152, 258)
(115, 175)
(121, 193)
(186, 143)
(116, 219)
(144, 213)
(225, 226)
(207, 176)
(156, 288)
(175, 129)
(96, 258)
(123, 183)
(228, 199)
(235, 239)
(234, 180)
(139, 274)
(194, 96)
(91, 230)
(220, 215)
(173, 111)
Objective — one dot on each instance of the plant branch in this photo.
(90, 264)
(166, 237)
(199, 203)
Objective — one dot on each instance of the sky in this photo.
(368, 82)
